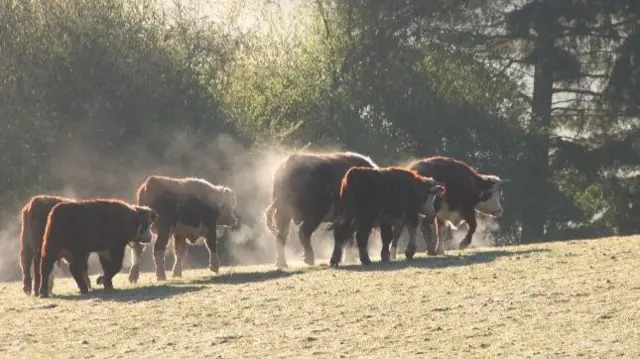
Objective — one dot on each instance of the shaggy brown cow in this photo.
(188, 208)
(33, 218)
(306, 188)
(104, 226)
(390, 197)
(467, 191)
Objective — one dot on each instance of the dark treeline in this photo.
(94, 95)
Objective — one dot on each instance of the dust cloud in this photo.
(79, 169)
(9, 247)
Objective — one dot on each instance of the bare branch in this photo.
(577, 91)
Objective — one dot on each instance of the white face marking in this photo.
(492, 206)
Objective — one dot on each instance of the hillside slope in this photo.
(580, 298)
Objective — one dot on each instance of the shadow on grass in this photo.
(246, 277)
(137, 294)
(443, 261)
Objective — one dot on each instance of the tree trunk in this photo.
(535, 213)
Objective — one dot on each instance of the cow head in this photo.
(489, 201)
(145, 217)
(433, 191)
(226, 207)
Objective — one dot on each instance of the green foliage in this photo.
(391, 79)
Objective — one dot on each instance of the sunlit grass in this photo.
(576, 299)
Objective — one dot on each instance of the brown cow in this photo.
(306, 188)
(390, 197)
(467, 191)
(33, 218)
(188, 208)
(104, 226)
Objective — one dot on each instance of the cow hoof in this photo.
(43, 295)
(177, 275)
(385, 258)
(281, 265)
(431, 252)
(310, 261)
(100, 280)
(26, 291)
(161, 277)
(134, 275)
(365, 261)
(410, 252)
(464, 245)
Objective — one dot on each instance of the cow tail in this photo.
(341, 214)
(26, 252)
(269, 216)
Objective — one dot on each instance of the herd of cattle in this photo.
(346, 189)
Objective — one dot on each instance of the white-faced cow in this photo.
(306, 188)
(188, 208)
(467, 191)
(390, 197)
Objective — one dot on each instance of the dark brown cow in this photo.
(390, 197)
(104, 226)
(306, 188)
(467, 191)
(33, 218)
(188, 208)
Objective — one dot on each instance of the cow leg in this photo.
(86, 274)
(444, 235)
(470, 218)
(429, 230)
(342, 233)
(111, 265)
(87, 280)
(412, 228)
(282, 222)
(179, 251)
(26, 260)
(304, 233)
(159, 248)
(386, 234)
(136, 253)
(211, 240)
(52, 276)
(77, 268)
(397, 231)
(46, 266)
(362, 237)
(37, 273)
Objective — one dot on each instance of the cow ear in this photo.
(146, 214)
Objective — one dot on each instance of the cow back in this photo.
(463, 183)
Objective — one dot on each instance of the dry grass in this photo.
(576, 299)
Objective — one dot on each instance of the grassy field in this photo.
(574, 299)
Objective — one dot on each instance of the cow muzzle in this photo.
(146, 236)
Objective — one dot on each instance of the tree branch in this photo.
(577, 91)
